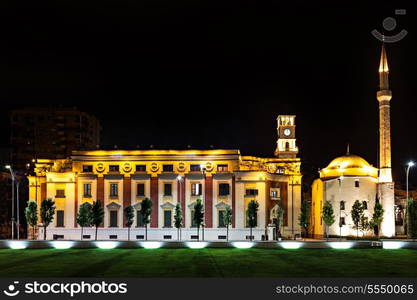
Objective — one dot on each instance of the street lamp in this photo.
(340, 207)
(409, 165)
(13, 180)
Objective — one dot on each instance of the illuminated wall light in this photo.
(151, 245)
(341, 245)
(17, 244)
(62, 244)
(290, 245)
(196, 245)
(392, 245)
(106, 244)
(243, 245)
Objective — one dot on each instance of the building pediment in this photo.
(167, 205)
(222, 205)
(113, 205)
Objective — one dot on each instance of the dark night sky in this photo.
(178, 73)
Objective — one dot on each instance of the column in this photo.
(75, 201)
(127, 196)
(155, 202)
(100, 194)
(181, 197)
(208, 201)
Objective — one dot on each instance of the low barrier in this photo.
(66, 244)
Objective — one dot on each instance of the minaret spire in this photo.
(383, 70)
(384, 96)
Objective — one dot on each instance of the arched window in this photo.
(287, 146)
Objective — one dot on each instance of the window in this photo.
(221, 218)
(87, 168)
(140, 189)
(114, 168)
(87, 189)
(399, 215)
(251, 192)
(113, 190)
(275, 193)
(342, 205)
(59, 218)
(222, 168)
(342, 221)
(357, 183)
(140, 168)
(287, 146)
(113, 218)
(139, 219)
(196, 189)
(195, 168)
(365, 205)
(224, 189)
(168, 168)
(167, 218)
(60, 194)
(167, 189)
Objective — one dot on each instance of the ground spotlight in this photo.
(62, 244)
(392, 245)
(151, 245)
(106, 244)
(341, 245)
(196, 245)
(242, 245)
(17, 244)
(290, 245)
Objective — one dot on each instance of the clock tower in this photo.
(286, 146)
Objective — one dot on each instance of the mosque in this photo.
(349, 178)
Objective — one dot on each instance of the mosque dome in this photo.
(348, 165)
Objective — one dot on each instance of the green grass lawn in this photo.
(208, 263)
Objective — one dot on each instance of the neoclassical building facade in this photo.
(220, 178)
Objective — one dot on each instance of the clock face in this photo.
(287, 132)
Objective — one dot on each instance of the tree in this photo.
(227, 220)
(356, 214)
(84, 216)
(377, 218)
(328, 216)
(364, 224)
(278, 216)
(304, 217)
(178, 219)
(412, 219)
(31, 214)
(47, 214)
(252, 215)
(97, 215)
(129, 215)
(198, 216)
(146, 210)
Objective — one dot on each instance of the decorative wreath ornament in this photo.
(100, 167)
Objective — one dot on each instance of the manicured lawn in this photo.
(208, 263)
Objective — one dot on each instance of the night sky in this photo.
(178, 73)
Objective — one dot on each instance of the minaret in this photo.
(384, 96)
(385, 186)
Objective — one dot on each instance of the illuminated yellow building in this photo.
(220, 178)
(346, 179)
